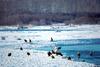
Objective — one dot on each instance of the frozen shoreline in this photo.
(19, 58)
(77, 32)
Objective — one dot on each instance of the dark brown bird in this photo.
(28, 53)
(25, 40)
(78, 54)
(49, 53)
(69, 58)
(21, 48)
(9, 54)
(52, 57)
(51, 39)
(30, 40)
(91, 53)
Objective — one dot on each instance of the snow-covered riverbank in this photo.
(77, 32)
(19, 58)
(11, 41)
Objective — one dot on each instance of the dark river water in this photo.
(84, 46)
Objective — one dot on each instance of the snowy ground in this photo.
(19, 58)
(35, 59)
